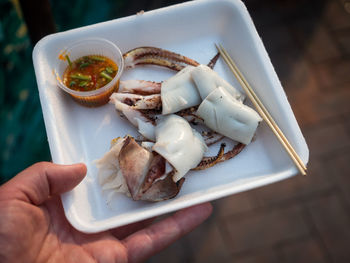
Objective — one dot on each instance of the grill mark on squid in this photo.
(158, 56)
(235, 151)
(162, 57)
(208, 162)
(213, 61)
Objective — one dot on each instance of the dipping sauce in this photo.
(89, 72)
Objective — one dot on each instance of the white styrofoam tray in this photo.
(79, 134)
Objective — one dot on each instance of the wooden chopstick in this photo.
(240, 75)
(263, 111)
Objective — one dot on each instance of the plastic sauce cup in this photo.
(86, 47)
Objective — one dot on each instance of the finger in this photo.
(105, 250)
(42, 180)
(145, 243)
(124, 231)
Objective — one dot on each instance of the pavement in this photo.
(301, 219)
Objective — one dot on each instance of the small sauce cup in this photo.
(86, 47)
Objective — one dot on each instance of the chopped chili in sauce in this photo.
(89, 73)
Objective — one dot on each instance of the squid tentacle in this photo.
(140, 87)
(140, 102)
(157, 56)
(232, 153)
(161, 57)
(212, 138)
(208, 162)
(213, 61)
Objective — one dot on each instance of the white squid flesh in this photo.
(182, 146)
(224, 114)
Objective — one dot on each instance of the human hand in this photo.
(33, 227)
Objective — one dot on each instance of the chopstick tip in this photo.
(217, 47)
(262, 110)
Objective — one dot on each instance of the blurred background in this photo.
(302, 219)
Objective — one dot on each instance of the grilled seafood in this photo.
(156, 56)
(182, 91)
(153, 169)
(141, 173)
(139, 179)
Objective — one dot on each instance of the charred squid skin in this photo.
(208, 162)
(151, 112)
(180, 183)
(134, 172)
(140, 87)
(213, 61)
(141, 169)
(157, 56)
(156, 171)
(161, 57)
(163, 190)
(190, 112)
(212, 138)
(232, 153)
(147, 114)
(139, 102)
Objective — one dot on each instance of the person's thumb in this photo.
(42, 180)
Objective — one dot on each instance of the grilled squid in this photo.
(182, 146)
(139, 171)
(224, 114)
(131, 169)
(179, 92)
(153, 168)
(141, 87)
(186, 89)
(143, 122)
(157, 56)
(207, 80)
